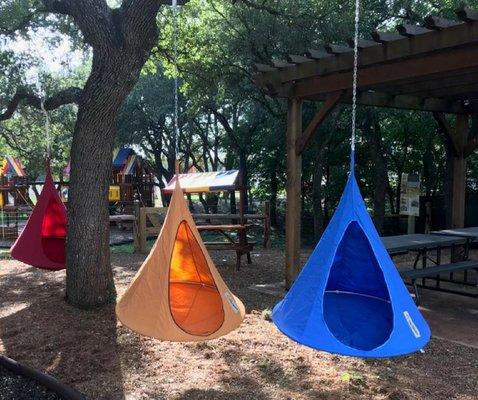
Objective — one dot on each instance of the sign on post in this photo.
(410, 199)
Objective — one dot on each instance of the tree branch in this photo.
(22, 97)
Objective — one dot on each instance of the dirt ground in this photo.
(95, 354)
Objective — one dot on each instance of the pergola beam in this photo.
(319, 117)
(411, 68)
(457, 35)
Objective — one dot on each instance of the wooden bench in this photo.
(435, 271)
(241, 246)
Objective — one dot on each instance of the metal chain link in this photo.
(355, 69)
(47, 129)
(176, 80)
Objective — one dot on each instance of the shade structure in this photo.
(42, 241)
(178, 294)
(349, 298)
(195, 182)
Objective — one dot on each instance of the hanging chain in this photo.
(176, 80)
(354, 85)
(47, 129)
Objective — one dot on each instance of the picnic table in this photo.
(241, 246)
(401, 244)
(423, 244)
(470, 233)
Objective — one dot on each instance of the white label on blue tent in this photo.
(232, 302)
(412, 326)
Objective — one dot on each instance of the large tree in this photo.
(121, 40)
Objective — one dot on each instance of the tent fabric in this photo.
(42, 241)
(349, 298)
(178, 294)
(204, 181)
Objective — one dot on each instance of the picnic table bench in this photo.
(424, 245)
(241, 246)
(435, 271)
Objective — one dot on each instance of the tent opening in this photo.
(357, 308)
(53, 232)
(194, 300)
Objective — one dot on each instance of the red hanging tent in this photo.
(42, 242)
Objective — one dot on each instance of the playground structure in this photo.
(232, 227)
(131, 179)
(14, 198)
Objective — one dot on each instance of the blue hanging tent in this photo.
(349, 298)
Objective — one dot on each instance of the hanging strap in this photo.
(354, 87)
(176, 81)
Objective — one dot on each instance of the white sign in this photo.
(410, 195)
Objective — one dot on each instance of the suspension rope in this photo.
(354, 85)
(176, 79)
(47, 130)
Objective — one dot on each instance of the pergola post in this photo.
(293, 190)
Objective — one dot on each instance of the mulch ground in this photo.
(95, 354)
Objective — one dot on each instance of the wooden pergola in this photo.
(430, 68)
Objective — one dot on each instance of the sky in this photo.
(58, 59)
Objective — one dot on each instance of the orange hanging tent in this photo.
(178, 294)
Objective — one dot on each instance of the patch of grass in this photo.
(267, 314)
(263, 363)
(352, 377)
(5, 254)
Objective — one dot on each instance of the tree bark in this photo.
(89, 279)
(317, 190)
(373, 135)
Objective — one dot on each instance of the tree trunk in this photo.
(245, 177)
(317, 191)
(89, 277)
(373, 135)
(274, 184)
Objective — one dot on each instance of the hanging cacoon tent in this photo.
(349, 298)
(178, 295)
(42, 241)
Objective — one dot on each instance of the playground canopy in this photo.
(205, 182)
(124, 160)
(11, 166)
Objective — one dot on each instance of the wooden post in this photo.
(142, 230)
(136, 228)
(293, 189)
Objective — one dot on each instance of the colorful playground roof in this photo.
(205, 181)
(11, 166)
(120, 156)
(125, 159)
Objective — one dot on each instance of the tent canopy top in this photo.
(201, 182)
